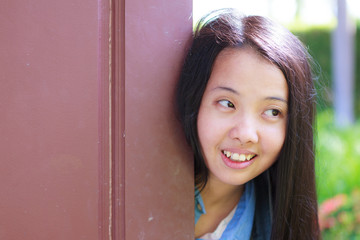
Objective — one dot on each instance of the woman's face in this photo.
(242, 116)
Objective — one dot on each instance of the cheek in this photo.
(205, 136)
(274, 140)
(210, 129)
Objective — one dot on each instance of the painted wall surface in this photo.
(49, 119)
(90, 145)
(155, 39)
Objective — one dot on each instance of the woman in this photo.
(245, 99)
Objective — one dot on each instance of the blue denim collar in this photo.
(240, 226)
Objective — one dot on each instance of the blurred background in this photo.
(330, 29)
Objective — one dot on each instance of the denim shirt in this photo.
(240, 226)
(258, 217)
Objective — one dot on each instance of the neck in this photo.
(217, 193)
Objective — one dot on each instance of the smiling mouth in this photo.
(238, 157)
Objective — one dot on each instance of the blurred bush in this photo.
(337, 157)
(337, 150)
(337, 175)
(339, 216)
(318, 41)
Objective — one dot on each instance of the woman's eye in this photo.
(226, 103)
(272, 112)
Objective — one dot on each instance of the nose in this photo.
(244, 130)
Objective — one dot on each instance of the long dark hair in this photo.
(293, 174)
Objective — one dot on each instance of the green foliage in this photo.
(342, 221)
(337, 150)
(337, 172)
(318, 42)
(337, 157)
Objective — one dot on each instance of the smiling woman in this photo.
(247, 121)
(246, 101)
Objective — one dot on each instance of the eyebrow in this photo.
(276, 99)
(237, 93)
(226, 89)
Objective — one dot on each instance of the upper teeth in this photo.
(238, 157)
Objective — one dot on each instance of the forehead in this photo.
(244, 69)
(242, 56)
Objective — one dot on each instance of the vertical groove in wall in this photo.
(118, 56)
(105, 118)
(121, 14)
(110, 122)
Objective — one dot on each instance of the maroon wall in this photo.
(49, 120)
(156, 169)
(90, 147)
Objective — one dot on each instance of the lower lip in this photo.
(235, 164)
